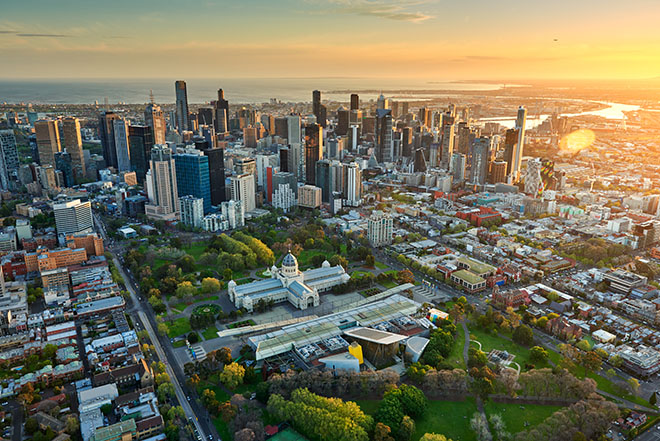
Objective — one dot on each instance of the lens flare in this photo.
(576, 141)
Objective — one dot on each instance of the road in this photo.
(163, 350)
(653, 434)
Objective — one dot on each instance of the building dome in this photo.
(290, 261)
(325, 264)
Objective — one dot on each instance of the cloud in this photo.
(33, 34)
(381, 8)
(44, 35)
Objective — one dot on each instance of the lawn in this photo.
(222, 428)
(515, 415)
(178, 327)
(450, 418)
(179, 307)
(492, 341)
(359, 273)
(195, 250)
(244, 281)
(606, 385)
(305, 258)
(381, 265)
(456, 355)
(389, 284)
(179, 343)
(210, 333)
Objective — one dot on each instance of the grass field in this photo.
(179, 343)
(178, 327)
(492, 341)
(450, 418)
(210, 333)
(389, 284)
(305, 258)
(456, 355)
(179, 307)
(515, 416)
(244, 281)
(381, 265)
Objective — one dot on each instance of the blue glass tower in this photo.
(192, 176)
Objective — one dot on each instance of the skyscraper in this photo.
(521, 118)
(379, 229)
(384, 135)
(48, 140)
(120, 133)
(447, 144)
(221, 108)
(73, 145)
(192, 210)
(243, 189)
(182, 115)
(216, 174)
(64, 164)
(155, 119)
(140, 143)
(73, 217)
(316, 104)
(323, 179)
(342, 121)
(510, 149)
(481, 151)
(192, 175)
(407, 142)
(106, 133)
(457, 167)
(353, 184)
(355, 101)
(9, 154)
(161, 185)
(313, 151)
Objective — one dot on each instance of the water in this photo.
(613, 111)
(237, 90)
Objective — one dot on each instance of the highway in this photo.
(192, 409)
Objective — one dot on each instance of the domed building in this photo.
(288, 283)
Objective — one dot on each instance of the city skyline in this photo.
(309, 38)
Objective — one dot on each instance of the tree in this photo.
(370, 260)
(434, 437)
(165, 391)
(107, 409)
(405, 276)
(162, 329)
(210, 284)
(224, 355)
(193, 337)
(476, 358)
(538, 355)
(523, 335)
(31, 425)
(232, 375)
(72, 424)
(244, 435)
(406, 429)
(542, 322)
(653, 399)
(227, 274)
(583, 345)
(185, 289)
(382, 432)
(413, 400)
(591, 361)
(633, 385)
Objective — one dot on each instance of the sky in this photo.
(426, 39)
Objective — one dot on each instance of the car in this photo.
(210, 437)
(188, 398)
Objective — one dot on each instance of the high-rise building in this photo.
(353, 185)
(510, 149)
(64, 164)
(73, 217)
(335, 148)
(120, 132)
(205, 117)
(309, 196)
(424, 115)
(192, 210)
(216, 174)
(73, 145)
(294, 138)
(192, 176)
(281, 127)
(284, 153)
(466, 136)
(498, 172)
(533, 181)
(161, 185)
(281, 178)
(343, 116)
(221, 108)
(140, 143)
(384, 135)
(107, 136)
(407, 142)
(316, 105)
(457, 166)
(245, 165)
(355, 101)
(420, 161)
(234, 212)
(323, 179)
(155, 119)
(243, 189)
(48, 140)
(379, 229)
(182, 112)
(250, 137)
(284, 197)
(447, 144)
(481, 152)
(9, 155)
(514, 171)
(262, 164)
(313, 151)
